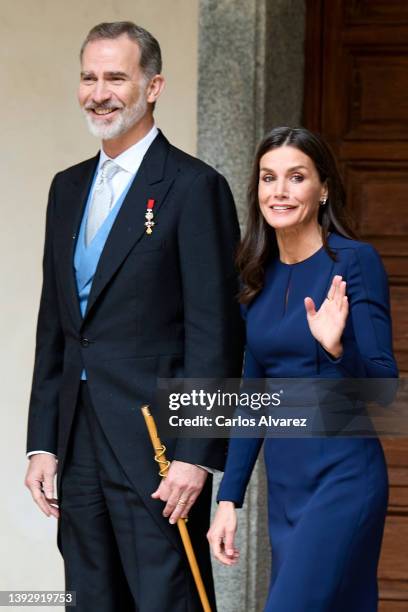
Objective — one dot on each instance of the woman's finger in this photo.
(310, 307)
(340, 293)
(332, 289)
(217, 547)
(229, 542)
(345, 306)
(331, 294)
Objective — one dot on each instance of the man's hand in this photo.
(180, 489)
(40, 480)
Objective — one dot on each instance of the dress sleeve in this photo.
(242, 452)
(370, 353)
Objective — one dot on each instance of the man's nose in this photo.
(101, 92)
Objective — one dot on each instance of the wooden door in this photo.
(356, 95)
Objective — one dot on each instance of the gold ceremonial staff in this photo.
(164, 465)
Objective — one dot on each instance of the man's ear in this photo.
(155, 88)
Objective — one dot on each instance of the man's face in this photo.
(113, 89)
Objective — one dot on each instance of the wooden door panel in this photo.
(398, 475)
(399, 310)
(374, 150)
(356, 95)
(394, 560)
(378, 193)
(392, 606)
(375, 12)
(372, 72)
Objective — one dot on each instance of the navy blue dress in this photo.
(327, 497)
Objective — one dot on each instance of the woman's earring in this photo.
(323, 201)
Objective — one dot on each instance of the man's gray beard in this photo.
(121, 124)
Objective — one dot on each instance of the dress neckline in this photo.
(307, 259)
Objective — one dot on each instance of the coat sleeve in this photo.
(370, 353)
(43, 410)
(208, 236)
(242, 452)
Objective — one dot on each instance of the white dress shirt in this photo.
(129, 162)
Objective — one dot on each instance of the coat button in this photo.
(85, 342)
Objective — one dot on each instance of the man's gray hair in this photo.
(150, 54)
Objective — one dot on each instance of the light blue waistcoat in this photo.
(86, 258)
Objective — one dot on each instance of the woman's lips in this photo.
(281, 207)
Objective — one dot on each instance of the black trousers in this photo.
(116, 558)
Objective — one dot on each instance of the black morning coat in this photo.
(161, 305)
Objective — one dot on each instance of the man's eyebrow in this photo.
(114, 74)
(111, 74)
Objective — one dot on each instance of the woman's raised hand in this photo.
(222, 532)
(327, 324)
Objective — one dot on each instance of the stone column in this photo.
(250, 80)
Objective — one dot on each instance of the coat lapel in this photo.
(74, 194)
(151, 182)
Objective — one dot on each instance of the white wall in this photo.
(42, 131)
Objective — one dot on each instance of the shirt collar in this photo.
(131, 159)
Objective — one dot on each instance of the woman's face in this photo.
(289, 189)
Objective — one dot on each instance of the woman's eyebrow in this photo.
(300, 167)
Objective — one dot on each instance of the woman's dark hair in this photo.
(259, 242)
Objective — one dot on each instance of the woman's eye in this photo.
(297, 178)
(267, 178)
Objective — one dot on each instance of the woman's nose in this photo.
(281, 188)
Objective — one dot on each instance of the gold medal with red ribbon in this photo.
(149, 216)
